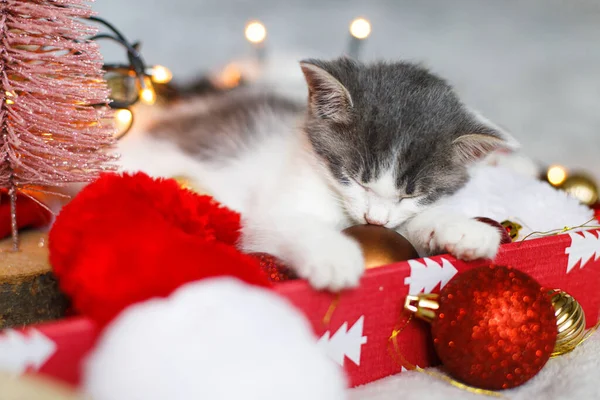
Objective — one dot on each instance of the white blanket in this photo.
(573, 376)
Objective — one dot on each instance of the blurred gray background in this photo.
(532, 66)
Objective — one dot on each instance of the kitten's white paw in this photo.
(466, 239)
(332, 261)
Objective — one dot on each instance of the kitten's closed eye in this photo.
(409, 196)
(400, 197)
(362, 185)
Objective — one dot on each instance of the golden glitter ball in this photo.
(581, 186)
(570, 322)
(381, 246)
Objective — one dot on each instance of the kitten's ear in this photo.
(482, 138)
(328, 98)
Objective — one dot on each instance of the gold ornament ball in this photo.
(570, 322)
(381, 246)
(582, 187)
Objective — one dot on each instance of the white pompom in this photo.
(213, 339)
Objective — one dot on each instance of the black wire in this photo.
(109, 26)
(116, 32)
(136, 58)
(122, 104)
(136, 63)
(114, 67)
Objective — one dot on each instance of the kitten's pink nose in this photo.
(376, 221)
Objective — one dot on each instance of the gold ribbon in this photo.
(331, 309)
(398, 357)
(589, 333)
(559, 231)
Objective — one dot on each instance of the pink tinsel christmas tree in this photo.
(56, 127)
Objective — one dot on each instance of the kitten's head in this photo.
(395, 137)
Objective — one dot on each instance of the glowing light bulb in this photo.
(123, 118)
(255, 32)
(148, 96)
(556, 175)
(360, 28)
(231, 76)
(161, 74)
(9, 94)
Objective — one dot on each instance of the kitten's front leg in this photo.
(437, 231)
(317, 252)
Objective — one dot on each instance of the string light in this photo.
(143, 90)
(147, 93)
(556, 175)
(9, 94)
(161, 74)
(148, 96)
(255, 32)
(230, 77)
(360, 28)
(136, 68)
(123, 118)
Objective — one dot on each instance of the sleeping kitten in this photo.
(382, 144)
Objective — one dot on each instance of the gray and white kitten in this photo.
(381, 144)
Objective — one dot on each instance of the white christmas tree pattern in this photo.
(425, 277)
(404, 369)
(584, 247)
(19, 351)
(344, 342)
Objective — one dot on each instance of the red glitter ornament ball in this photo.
(495, 327)
(275, 269)
(596, 208)
(504, 236)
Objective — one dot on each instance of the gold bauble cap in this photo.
(423, 305)
(570, 322)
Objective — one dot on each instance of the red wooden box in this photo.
(354, 328)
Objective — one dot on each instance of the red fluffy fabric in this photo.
(596, 208)
(29, 213)
(127, 238)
